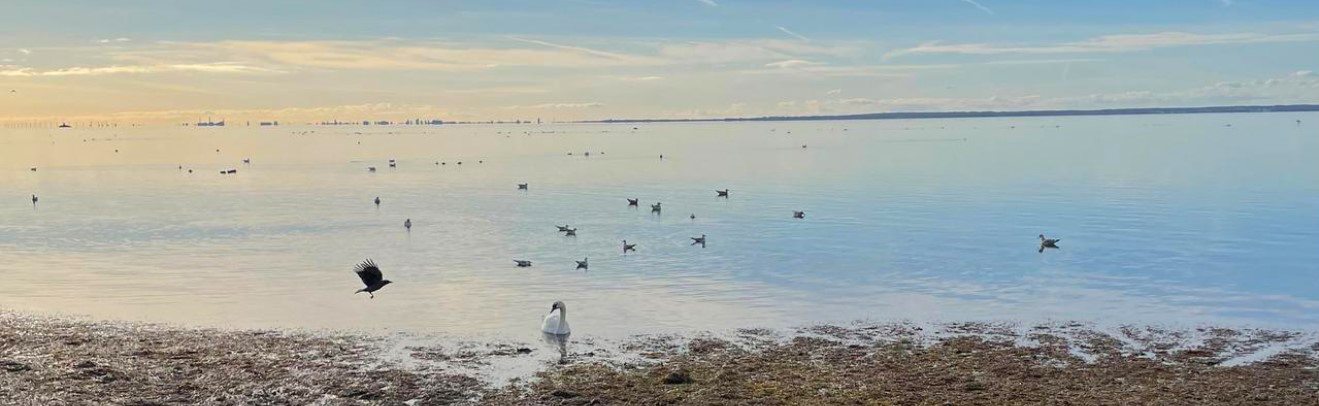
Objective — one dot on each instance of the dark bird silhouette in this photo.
(34, 200)
(407, 224)
(798, 214)
(699, 240)
(582, 264)
(393, 164)
(629, 247)
(522, 186)
(33, 169)
(655, 208)
(247, 160)
(377, 201)
(1048, 243)
(563, 228)
(371, 277)
(693, 216)
(522, 263)
(572, 232)
(632, 202)
(370, 169)
(721, 193)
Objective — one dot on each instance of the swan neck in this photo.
(563, 317)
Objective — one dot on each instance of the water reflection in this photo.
(1165, 219)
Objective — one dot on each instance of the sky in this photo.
(312, 60)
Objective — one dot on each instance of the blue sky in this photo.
(576, 59)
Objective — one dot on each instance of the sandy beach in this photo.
(59, 361)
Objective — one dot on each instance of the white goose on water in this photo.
(557, 321)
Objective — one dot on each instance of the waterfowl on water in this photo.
(655, 207)
(629, 247)
(721, 193)
(563, 228)
(522, 186)
(798, 214)
(371, 277)
(556, 322)
(582, 264)
(377, 201)
(699, 240)
(1048, 242)
(572, 232)
(633, 202)
(407, 224)
(522, 263)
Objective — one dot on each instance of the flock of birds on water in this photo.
(555, 324)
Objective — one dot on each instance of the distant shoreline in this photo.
(982, 114)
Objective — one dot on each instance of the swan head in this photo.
(558, 306)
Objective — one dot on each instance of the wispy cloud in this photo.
(834, 91)
(25, 51)
(979, 6)
(110, 40)
(1108, 43)
(590, 105)
(791, 63)
(114, 70)
(789, 32)
(710, 3)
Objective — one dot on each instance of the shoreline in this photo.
(46, 360)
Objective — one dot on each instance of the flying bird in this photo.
(34, 200)
(371, 277)
(522, 263)
(556, 323)
(377, 201)
(522, 186)
(1048, 243)
(629, 247)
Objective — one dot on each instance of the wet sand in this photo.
(58, 361)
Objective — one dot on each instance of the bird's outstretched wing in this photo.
(369, 272)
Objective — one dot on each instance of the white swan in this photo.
(556, 323)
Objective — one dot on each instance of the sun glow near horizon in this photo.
(142, 62)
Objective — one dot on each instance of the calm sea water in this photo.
(1163, 219)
